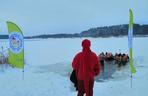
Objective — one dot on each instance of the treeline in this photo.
(4, 36)
(117, 30)
(106, 31)
(54, 36)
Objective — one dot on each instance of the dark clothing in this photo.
(73, 79)
(102, 63)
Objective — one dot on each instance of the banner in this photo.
(16, 46)
(130, 41)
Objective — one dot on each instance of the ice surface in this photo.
(48, 66)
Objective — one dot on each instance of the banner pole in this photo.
(23, 73)
(131, 80)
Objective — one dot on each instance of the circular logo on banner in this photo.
(16, 42)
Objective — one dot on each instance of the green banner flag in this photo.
(130, 41)
(16, 45)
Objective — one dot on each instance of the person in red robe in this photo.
(86, 65)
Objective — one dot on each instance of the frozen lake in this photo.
(48, 65)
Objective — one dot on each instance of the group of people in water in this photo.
(120, 59)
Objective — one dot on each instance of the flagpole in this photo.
(24, 63)
(23, 73)
(16, 54)
(131, 80)
(130, 36)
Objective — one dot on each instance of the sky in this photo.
(37, 17)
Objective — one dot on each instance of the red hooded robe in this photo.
(86, 64)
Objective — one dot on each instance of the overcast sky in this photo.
(69, 16)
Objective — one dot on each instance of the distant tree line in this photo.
(4, 36)
(106, 31)
(117, 30)
(54, 36)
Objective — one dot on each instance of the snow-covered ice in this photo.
(48, 66)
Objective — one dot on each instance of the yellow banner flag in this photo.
(130, 41)
(16, 42)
